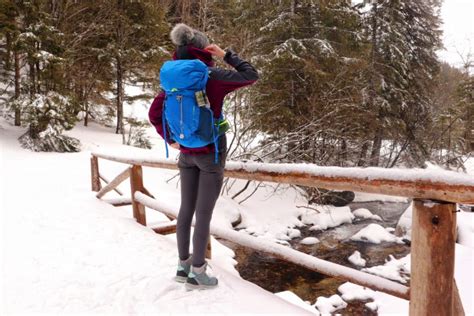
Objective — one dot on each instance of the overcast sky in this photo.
(458, 27)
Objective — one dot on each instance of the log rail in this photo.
(433, 290)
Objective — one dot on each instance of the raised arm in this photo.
(230, 80)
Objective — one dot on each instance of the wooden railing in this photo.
(432, 291)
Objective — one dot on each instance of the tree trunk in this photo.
(119, 30)
(343, 154)
(363, 154)
(86, 108)
(376, 146)
(468, 129)
(32, 79)
(38, 78)
(17, 86)
(119, 129)
(9, 51)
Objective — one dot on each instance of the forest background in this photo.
(341, 83)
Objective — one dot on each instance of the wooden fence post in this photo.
(95, 180)
(136, 183)
(432, 258)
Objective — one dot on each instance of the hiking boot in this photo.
(198, 279)
(184, 267)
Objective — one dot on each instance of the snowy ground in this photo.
(64, 251)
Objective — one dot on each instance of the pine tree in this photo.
(136, 44)
(9, 30)
(90, 72)
(404, 36)
(309, 82)
(42, 96)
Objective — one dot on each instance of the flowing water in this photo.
(276, 275)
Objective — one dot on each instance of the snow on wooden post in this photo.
(136, 183)
(432, 257)
(95, 180)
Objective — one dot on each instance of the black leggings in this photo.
(201, 182)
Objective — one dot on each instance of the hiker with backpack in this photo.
(188, 115)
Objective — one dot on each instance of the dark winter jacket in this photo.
(220, 83)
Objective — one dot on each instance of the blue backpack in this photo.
(186, 110)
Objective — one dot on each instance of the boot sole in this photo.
(180, 279)
(191, 287)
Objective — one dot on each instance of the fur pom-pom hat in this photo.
(182, 34)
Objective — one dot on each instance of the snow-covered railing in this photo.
(432, 291)
(414, 183)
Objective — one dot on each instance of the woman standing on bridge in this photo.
(201, 177)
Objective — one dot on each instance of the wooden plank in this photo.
(385, 183)
(114, 183)
(103, 178)
(294, 256)
(95, 181)
(119, 201)
(165, 229)
(458, 309)
(416, 189)
(136, 183)
(432, 258)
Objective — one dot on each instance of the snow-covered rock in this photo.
(376, 234)
(328, 305)
(328, 216)
(309, 241)
(372, 306)
(366, 214)
(294, 233)
(393, 269)
(356, 259)
(351, 292)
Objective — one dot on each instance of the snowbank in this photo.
(296, 300)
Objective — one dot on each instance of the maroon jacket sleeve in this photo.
(155, 115)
